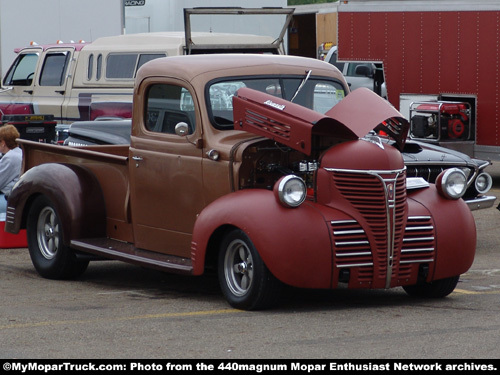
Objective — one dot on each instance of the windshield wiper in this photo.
(308, 73)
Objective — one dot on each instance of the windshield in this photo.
(318, 93)
(22, 71)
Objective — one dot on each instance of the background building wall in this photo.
(47, 21)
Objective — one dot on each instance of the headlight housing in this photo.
(452, 183)
(290, 191)
(483, 183)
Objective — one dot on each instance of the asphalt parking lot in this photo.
(118, 310)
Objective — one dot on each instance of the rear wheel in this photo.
(435, 289)
(244, 278)
(51, 258)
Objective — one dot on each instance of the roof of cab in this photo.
(158, 40)
(77, 46)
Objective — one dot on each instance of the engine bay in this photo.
(265, 162)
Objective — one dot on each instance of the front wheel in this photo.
(435, 289)
(51, 258)
(244, 278)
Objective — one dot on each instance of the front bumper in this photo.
(478, 203)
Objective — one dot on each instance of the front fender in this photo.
(455, 232)
(294, 244)
(75, 193)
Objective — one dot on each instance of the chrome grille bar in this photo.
(419, 241)
(352, 245)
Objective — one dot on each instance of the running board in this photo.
(127, 252)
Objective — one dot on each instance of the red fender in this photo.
(294, 243)
(455, 232)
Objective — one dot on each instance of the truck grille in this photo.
(379, 197)
(352, 248)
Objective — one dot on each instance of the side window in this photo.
(125, 65)
(351, 71)
(167, 106)
(99, 67)
(54, 69)
(145, 57)
(90, 68)
(22, 71)
(121, 65)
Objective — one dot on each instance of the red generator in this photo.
(440, 121)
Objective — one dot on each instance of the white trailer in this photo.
(160, 15)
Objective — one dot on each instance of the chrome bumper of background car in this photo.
(485, 201)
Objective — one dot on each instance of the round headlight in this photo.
(483, 183)
(291, 191)
(452, 183)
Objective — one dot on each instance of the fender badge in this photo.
(275, 105)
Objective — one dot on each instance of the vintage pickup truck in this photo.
(257, 166)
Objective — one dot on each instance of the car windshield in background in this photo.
(318, 93)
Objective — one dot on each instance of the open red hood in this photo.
(293, 125)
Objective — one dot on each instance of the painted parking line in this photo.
(124, 318)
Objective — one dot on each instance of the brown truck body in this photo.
(247, 163)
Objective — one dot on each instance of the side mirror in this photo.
(363, 70)
(182, 129)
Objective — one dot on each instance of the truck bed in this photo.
(109, 163)
(36, 153)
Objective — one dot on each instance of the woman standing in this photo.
(10, 163)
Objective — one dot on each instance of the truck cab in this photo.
(38, 81)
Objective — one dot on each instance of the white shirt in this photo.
(10, 169)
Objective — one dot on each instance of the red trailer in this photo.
(440, 61)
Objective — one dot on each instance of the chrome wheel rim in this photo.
(48, 233)
(238, 268)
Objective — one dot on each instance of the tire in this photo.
(50, 257)
(245, 281)
(435, 289)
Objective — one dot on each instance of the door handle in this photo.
(137, 159)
